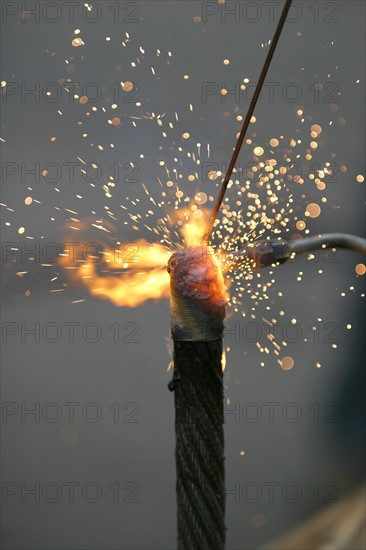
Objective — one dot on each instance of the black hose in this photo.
(329, 240)
(261, 254)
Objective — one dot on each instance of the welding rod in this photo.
(247, 119)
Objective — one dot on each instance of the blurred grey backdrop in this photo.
(105, 477)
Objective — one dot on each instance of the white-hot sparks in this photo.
(281, 193)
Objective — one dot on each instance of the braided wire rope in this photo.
(199, 416)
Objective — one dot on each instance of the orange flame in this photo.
(141, 275)
(193, 229)
(139, 268)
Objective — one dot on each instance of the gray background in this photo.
(311, 452)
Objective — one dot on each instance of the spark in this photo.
(270, 200)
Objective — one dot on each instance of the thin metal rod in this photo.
(244, 129)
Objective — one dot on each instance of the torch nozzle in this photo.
(260, 254)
